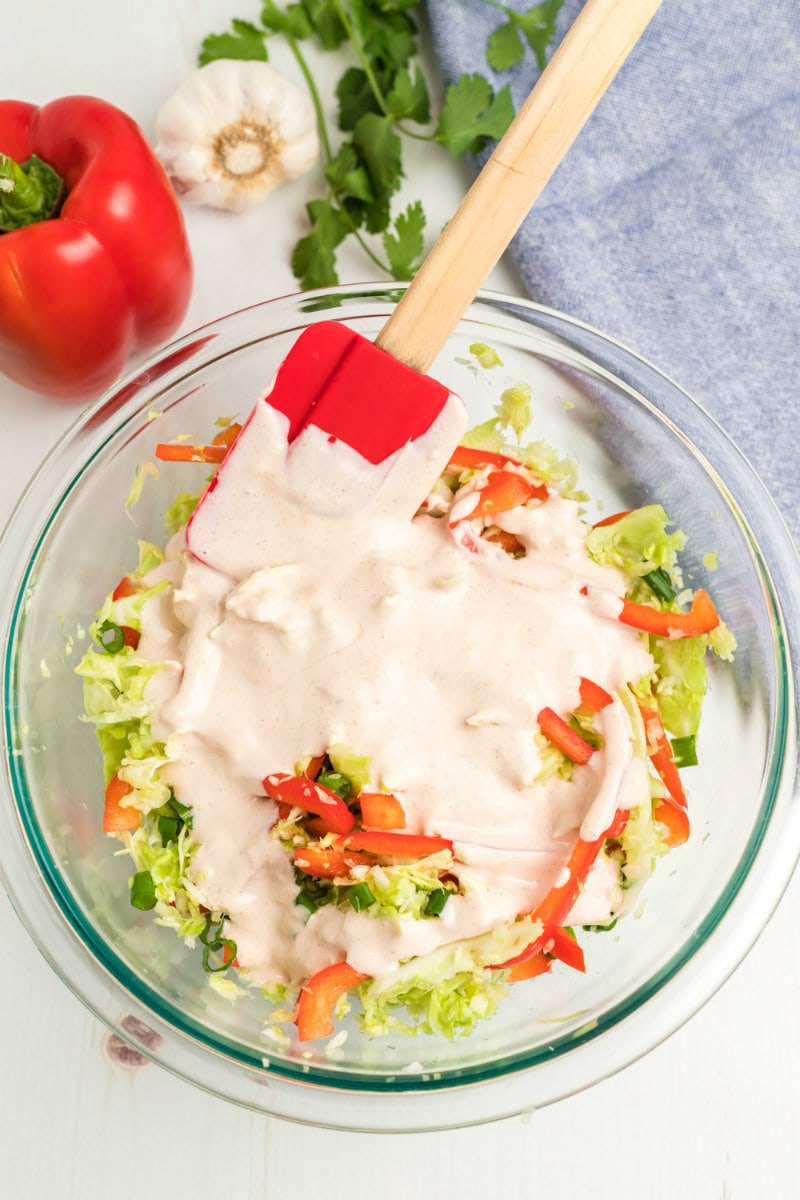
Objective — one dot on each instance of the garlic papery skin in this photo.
(234, 130)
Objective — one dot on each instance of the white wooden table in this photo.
(711, 1113)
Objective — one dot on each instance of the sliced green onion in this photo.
(336, 782)
(111, 637)
(168, 829)
(306, 901)
(183, 811)
(661, 584)
(684, 750)
(360, 896)
(219, 947)
(211, 934)
(143, 891)
(600, 928)
(436, 902)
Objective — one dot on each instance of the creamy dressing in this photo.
(309, 609)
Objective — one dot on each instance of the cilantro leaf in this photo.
(472, 113)
(348, 176)
(292, 20)
(504, 48)
(246, 41)
(327, 24)
(380, 150)
(395, 5)
(387, 37)
(314, 256)
(356, 98)
(409, 97)
(538, 27)
(404, 247)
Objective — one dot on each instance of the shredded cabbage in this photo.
(446, 992)
(638, 544)
(181, 509)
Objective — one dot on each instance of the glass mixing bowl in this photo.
(637, 438)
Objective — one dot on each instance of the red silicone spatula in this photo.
(376, 397)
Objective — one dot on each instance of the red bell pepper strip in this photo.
(215, 452)
(305, 793)
(471, 456)
(505, 490)
(676, 821)
(183, 452)
(566, 950)
(127, 586)
(107, 270)
(229, 958)
(617, 826)
(410, 845)
(701, 618)
(131, 636)
(540, 964)
(118, 818)
(612, 520)
(329, 862)
(314, 766)
(564, 737)
(660, 752)
(381, 810)
(554, 909)
(314, 1012)
(593, 697)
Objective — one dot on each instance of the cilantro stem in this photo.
(362, 55)
(315, 98)
(326, 147)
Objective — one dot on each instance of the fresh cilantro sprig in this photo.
(380, 100)
(536, 27)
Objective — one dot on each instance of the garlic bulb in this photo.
(235, 130)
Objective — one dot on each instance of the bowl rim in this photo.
(124, 402)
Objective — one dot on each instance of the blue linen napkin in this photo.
(674, 222)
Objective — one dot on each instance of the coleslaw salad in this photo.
(345, 835)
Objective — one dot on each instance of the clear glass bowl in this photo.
(637, 437)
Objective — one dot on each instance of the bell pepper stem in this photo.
(29, 192)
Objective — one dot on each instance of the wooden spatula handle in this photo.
(563, 99)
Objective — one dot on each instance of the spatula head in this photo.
(342, 426)
(346, 386)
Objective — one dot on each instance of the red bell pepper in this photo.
(471, 456)
(381, 810)
(132, 636)
(302, 792)
(566, 949)
(119, 818)
(127, 586)
(564, 737)
(701, 618)
(329, 862)
(555, 907)
(660, 752)
(594, 698)
(215, 452)
(675, 819)
(96, 270)
(505, 490)
(539, 964)
(612, 520)
(314, 1012)
(408, 845)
